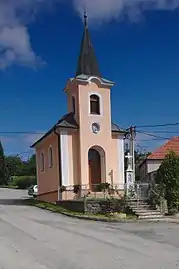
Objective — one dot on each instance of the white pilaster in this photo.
(64, 158)
(121, 173)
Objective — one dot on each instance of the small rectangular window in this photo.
(42, 162)
(94, 104)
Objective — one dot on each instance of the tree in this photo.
(168, 180)
(32, 165)
(14, 166)
(17, 167)
(3, 178)
(29, 166)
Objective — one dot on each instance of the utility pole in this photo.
(130, 173)
(132, 148)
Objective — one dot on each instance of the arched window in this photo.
(50, 157)
(42, 162)
(94, 104)
(73, 104)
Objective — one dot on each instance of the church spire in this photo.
(87, 62)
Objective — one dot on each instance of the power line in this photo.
(158, 125)
(156, 136)
(162, 132)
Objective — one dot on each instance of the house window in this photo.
(50, 157)
(73, 104)
(94, 104)
(42, 162)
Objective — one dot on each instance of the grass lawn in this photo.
(58, 209)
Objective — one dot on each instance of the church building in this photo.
(84, 147)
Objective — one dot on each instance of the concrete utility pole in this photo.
(130, 172)
(132, 148)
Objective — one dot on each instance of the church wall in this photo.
(104, 138)
(48, 180)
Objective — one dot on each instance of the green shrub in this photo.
(62, 189)
(23, 182)
(76, 189)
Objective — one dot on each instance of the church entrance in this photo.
(96, 162)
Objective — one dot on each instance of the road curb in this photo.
(89, 218)
(167, 220)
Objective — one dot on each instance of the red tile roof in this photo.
(160, 153)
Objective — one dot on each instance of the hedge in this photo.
(23, 182)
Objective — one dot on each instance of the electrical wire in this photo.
(153, 135)
(162, 132)
(158, 125)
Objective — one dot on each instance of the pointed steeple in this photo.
(87, 62)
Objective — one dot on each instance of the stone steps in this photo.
(147, 212)
(151, 217)
(144, 211)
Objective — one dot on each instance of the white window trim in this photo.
(100, 105)
(50, 157)
(42, 170)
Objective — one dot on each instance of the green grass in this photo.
(58, 209)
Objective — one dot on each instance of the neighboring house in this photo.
(84, 147)
(148, 168)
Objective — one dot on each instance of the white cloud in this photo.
(15, 45)
(15, 15)
(32, 138)
(105, 10)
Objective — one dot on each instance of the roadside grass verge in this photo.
(96, 217)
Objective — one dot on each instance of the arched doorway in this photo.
(97, 170)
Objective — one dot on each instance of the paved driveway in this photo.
(33, 238)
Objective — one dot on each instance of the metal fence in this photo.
(95, 191)
(136, 191)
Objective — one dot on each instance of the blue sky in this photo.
(140, 52)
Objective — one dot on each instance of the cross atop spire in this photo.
(85, 18)
(87, 62)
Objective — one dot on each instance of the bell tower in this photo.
(90, 102)
(87, 62)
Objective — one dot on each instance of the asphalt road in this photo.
(34, 238)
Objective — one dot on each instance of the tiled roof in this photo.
(117, 129)
(68, 122)
(160, 153)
